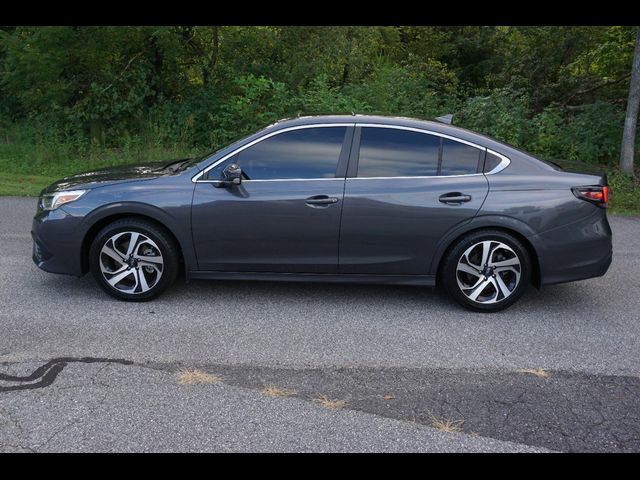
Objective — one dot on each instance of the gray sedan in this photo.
(364, 199)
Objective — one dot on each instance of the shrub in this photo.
(503, 114)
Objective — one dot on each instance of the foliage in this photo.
(72, 98)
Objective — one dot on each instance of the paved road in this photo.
(357, 343)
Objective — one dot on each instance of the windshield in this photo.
(237, 139)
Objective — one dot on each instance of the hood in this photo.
(111, 175)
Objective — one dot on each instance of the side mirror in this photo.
(231, 175)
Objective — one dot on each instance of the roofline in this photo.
(456, 132)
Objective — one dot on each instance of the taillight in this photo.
(597, 194)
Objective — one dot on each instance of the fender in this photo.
(181, 230)
(480, 221)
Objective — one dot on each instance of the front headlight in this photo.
(51, 201)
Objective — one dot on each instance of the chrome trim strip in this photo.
(279, 180)
(506, 161)
(258, 140)
(420, 176)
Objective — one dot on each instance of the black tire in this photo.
(452, 279)
(164, 275)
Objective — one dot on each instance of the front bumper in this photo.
(56, 243)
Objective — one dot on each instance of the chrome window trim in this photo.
(196, 177)
(501, 166)
(506, 161)
(417, 176)
(288, 179)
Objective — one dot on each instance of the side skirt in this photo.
(422, 280)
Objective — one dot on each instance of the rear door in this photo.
(285, 215)
(405, 189)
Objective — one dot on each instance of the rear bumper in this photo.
(576, 251)
(55, 245)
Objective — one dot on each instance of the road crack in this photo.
(47, 373)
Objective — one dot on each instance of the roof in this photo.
(423, 124)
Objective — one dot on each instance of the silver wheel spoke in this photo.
(479, 289)
(149, 259)
(113, 254)
(505, 263)
(136, 271)
(133, 241)
(468, 269)
(486, 250)
(117, 278)
(503, 287)
(143, 281)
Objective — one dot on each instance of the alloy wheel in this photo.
(488, 272)
(131, 262)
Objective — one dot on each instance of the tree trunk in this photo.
(631, 119)
(207, 71)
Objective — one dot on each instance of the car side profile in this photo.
(363, 199)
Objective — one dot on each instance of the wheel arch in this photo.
(108, 214)
(518, 229)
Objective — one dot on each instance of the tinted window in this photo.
(388, 152)
(491, 161)
(304, 153)
(458, 158)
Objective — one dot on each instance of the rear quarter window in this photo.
(491, 161)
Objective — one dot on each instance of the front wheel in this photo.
(134, 260)
(486, 271)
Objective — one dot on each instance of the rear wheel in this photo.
(134, 260)
(486, 271)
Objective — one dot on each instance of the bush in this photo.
(424, 92)
(595, 134)
(321, 98)
(504, 114)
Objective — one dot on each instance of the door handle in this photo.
(454, 197)
(319, 200)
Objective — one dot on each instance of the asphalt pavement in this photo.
(79, 371)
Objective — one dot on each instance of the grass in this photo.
(26, 168)
(625, 194)
(538, 372)
(193, 376)
(446, 425)
(327, 402)
(273, 391)
(21, 185)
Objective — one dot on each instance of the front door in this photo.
(285, 215)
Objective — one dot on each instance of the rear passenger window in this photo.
(389, 152)
(459, 158)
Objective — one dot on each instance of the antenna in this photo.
(445, 118)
